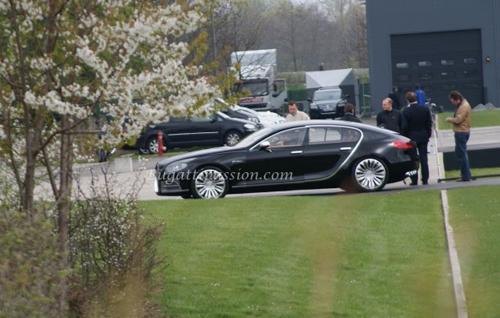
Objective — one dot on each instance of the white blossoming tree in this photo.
(61, 61)
(64, 61)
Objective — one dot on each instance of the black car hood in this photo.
(196, 154)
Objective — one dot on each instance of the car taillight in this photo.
(403, 145)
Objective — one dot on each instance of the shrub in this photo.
(30, 265)
(113, 256)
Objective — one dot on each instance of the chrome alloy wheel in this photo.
(370, 174)
(210, 184)
(153, 145)
(232, 138)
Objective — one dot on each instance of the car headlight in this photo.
(255, 120)
(176, 166)
(250, 127)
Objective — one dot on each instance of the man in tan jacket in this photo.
(294, 114)
(461, 126)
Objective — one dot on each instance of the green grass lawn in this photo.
(475, 172)
(479, 119)
(345, 256)
(475, 216)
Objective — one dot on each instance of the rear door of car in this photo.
(193, 131)
(326, 148)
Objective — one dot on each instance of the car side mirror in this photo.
(309, 100)
(213, 119)
(265, 145)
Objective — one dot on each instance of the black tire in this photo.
(209, 183)
(367, 175)
(232, 138)
(142, 150)
(187, 195)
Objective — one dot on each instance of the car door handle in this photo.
(296, 152)
(346, 149)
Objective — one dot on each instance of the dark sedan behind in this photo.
(215, 130)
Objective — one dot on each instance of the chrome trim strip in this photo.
(197, 133)
(341, 166)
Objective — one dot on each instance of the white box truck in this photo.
(257, 80)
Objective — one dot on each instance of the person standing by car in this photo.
(421, 97)
(418, 127)
(294, 114)
(461, 126)
(349, 114)
(390, 118)
(394, 96)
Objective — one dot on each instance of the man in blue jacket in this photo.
(421, 98)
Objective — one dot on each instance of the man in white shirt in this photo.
(294, 114)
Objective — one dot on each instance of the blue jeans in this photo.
(461, 139)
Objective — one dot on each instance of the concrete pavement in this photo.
(136, 174)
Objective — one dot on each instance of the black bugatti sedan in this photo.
(298, 155)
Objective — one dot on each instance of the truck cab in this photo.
(257, 82)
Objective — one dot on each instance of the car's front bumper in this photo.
(169, 187)
(322, 114)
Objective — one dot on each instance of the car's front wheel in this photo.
(209, 183)
(232, 138)
(368, 174)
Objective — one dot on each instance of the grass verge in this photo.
(479, 119)
(358, 256)
(476, 234)
(475, 172)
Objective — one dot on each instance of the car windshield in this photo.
(254, 88)
(327, 95)
(250, 140)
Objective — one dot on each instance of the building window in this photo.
(447, 62)
(425, 76)
(402, 65)
(403, 77)
(448, 75)
(470, 73)
(470, 60)
(424, 64)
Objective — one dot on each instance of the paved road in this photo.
(142, 183)
(136, 175)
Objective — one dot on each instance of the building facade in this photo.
(440, 45)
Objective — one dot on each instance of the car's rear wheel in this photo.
(152, 145)
(232, 138)
(369, 174)
(209, 183)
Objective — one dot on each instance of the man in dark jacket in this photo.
(394, 96)
(418, 127)
(390, 118)
(349, 114)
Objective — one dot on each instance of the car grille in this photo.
(172, 186)
(253, 106)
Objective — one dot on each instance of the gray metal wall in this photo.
(387, 17)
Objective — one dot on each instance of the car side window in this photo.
(317, 135)
(288, 138)
(198, 119)
(323, 135)
(332, 135)
(350, 135)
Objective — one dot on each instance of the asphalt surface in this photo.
(136, 175)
